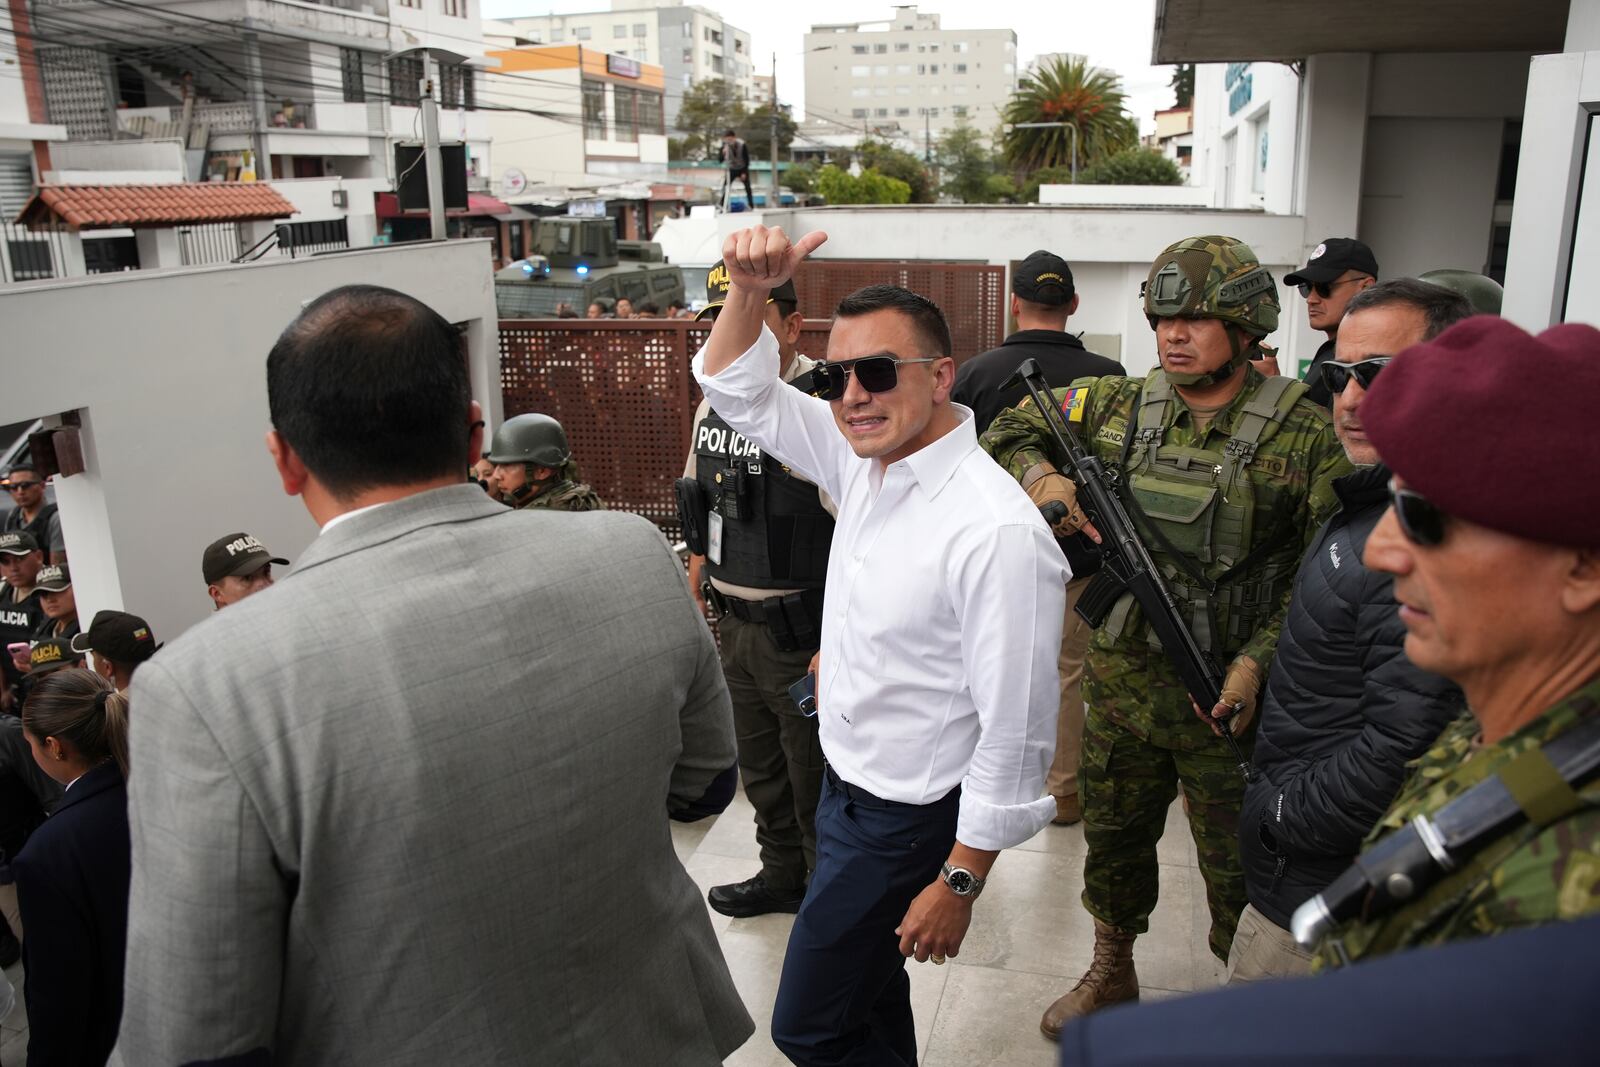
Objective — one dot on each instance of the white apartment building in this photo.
(908, 74)
(689, 43)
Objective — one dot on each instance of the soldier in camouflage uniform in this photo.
(1229, 474)
(1499, 592)
(534, 468)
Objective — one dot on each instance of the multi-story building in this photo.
(689, 43)
(1174, 136)
(908, 73)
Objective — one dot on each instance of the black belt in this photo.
(872, 800)
(794, 620)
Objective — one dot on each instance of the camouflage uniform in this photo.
(565, 495)
(1530, 875)
(1142, 735)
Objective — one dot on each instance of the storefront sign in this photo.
(1237, 81)
(621, 66)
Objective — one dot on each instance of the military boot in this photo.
(1109, 980)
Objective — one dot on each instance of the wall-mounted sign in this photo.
(514, 182)
(1237, 81)
(595, 209)
(621, 66)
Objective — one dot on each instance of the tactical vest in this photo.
(775, 532)
(39, 527)
(1202, 520)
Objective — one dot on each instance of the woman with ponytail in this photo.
(72, 876)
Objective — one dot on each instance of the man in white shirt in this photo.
(937, 680)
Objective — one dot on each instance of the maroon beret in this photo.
(1495, 425)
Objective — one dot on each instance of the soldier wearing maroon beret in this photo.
(1493, 539)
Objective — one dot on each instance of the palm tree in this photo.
(1068, 90)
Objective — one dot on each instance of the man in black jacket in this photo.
(1042, 299)
(1343, 710)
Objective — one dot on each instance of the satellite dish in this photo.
(514, 181)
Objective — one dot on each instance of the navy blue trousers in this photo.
(845, 997)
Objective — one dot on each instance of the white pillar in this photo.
(158, 248)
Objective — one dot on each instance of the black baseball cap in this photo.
(234, 555)
(1332, 258)
(54, 578)
(18, 543)
(52, 654)
(718, 283)
(117, 636)
(1043, 278)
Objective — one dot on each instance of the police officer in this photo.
(235, 566)
(1228, 475)
(534, 468)
(759, 538)
(1500, 593)
(120, 643)
(20, 613)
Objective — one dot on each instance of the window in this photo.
(716, 65)
(933, 68)
(922, 68)
(958, 46)
(647, 106)
(1011, 70)
(883, 113)
(901, 112)
(959, 111)
(582, 33)
(688, 56)
(922, 48)
(880, 71)
(405, 78)
(961, 90)
(961, 68)
(931, 112)
(626, 121)
(455, 86)
(738, 45)
(860, 91)
(902, 46)
(902, 90)
(902, 68)
(456, 8)
(880, 90)
(687, 29)
(618, 31)
(858, 49)
(640, 30)
(934, 47)
(410, 3)
(355, 86)
(594, 111)
(880, 49)
(860, 72)
(858, 113)
(642, 55)
(557, 35)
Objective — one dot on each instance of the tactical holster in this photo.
(794, 621)
(692, 513)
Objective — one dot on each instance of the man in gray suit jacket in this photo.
(409, 804)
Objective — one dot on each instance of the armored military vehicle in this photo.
(577, 261)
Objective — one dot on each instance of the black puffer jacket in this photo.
(1343, 712)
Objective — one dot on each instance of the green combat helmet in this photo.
(536, 440)
(1213, 278)
(1482, 292)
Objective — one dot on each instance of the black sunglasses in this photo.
(1421, 522)
(1337, 375)
(1322, 289)
(877, 374)
(14, 486)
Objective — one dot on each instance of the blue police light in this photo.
(527, 268)
(582, 269)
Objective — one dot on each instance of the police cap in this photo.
(718, 283)
(1043, 278)
(118, 636)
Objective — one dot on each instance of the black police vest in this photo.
(775, 532)
(18, 618)
(39, 527)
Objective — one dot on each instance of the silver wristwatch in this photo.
(962, 882)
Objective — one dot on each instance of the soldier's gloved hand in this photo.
(1241, 685)
(1045, 485)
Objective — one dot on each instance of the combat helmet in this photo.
(1482, 292)
(1213, 277)
(530, 439)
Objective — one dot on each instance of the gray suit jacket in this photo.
(409, 805)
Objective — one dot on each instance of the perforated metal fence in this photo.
(973, 296)
(623, 392)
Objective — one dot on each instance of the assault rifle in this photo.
(1126, 565)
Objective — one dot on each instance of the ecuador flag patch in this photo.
(1072, 402)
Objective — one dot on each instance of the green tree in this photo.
(869, 187)
(1028, 193)
(1183, 84)
(756, 129)
(886, 159)
(708, 107)
(1069, 91)
(968, 161)
(1133, 166)
(801, 177)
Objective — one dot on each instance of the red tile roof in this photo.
(87, 206)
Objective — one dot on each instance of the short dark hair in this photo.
(21, 468)
(924, 313)
(786, 307)
(1441, 308)
(729, 133)
(369, 387)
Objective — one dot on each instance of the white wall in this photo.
(1125, 195)
(168, 372)
(313, 202)
(1109, 250)
(1427, 194)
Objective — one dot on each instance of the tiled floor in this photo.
(1030, 940)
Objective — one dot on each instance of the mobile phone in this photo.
(20, 646)
(804, 694)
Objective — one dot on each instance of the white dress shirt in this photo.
(941, 622)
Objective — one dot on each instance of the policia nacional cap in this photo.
(52, 654)
(55, 578)
(718, 283)
(18, 543)
(118, 636)
(235, 555)
(1043, 278)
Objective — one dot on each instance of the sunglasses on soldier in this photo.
(876, 374)
(1420, 520)
(1337, 375)
(1322, 289)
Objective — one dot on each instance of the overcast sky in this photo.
(1112, 33)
